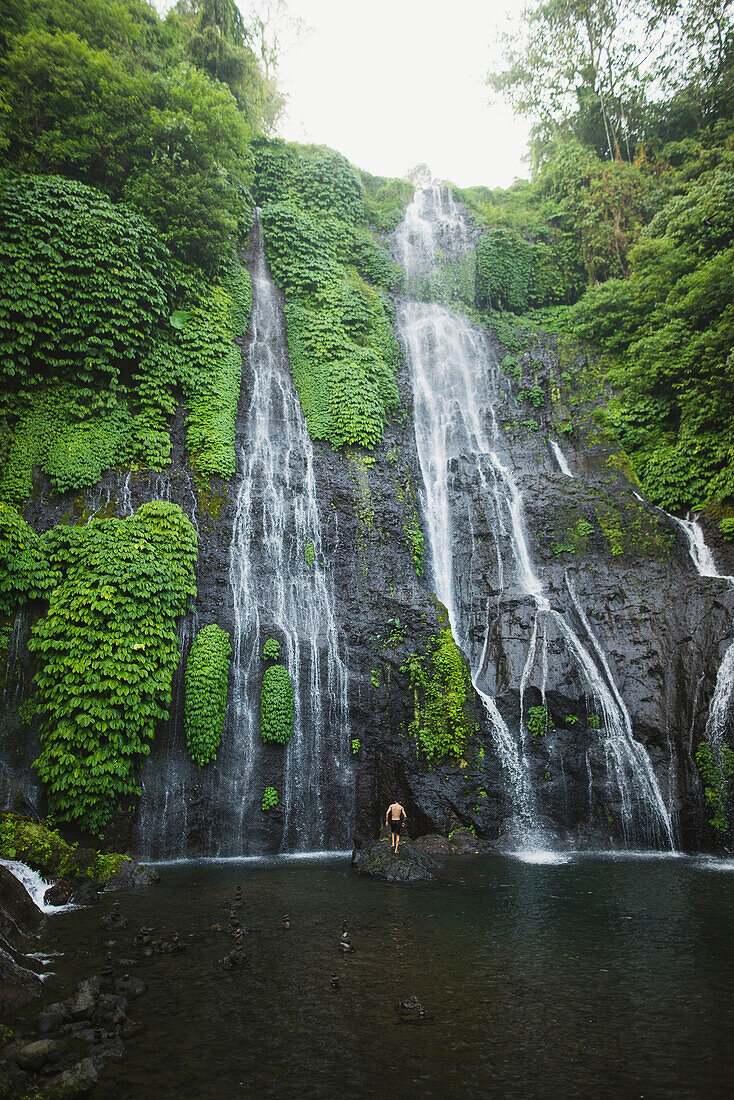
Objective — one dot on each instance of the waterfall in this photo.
(720, 705)
(560, 459)
(701, 555)
(276, 590)
(463, 458)
(35, 886)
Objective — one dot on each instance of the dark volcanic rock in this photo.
(132, 874)
(461, 842)
(77, 1081)
(52, 1017)
(407, 865)
(19, 916)
(58, 894)
(35, 1055)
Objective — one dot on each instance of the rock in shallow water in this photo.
(77, 1081)
(407, 865)
(35, 1055)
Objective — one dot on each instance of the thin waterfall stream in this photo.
(721, 700)
(457, 387)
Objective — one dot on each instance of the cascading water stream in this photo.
(275, 588)
(560, 459)
(456, 386)
(281, 587)
(720, 706)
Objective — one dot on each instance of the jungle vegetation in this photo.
(624, 235)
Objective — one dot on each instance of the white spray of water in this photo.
(35, 886)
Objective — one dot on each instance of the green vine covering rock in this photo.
(83, 285)
(539, 721)
(25, 569)
(212, 385)
(271, 650)
(270, 799)
(439, 681)
(43, 849)
(276, 705)
(207, 672)
(717, 771)
(94, 356)
(106, 652)
(342, 346)
(310, 554)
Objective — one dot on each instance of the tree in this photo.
(585, 68)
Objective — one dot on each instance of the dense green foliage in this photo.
(212, 373)
(717, 771)
(276, 705)
(439, 681)
(94, 355)
(538, 721)
(106, 652)
(668, 331)
(26, 572)
(271, 649)
(157, 113)
(83, 286)
(43, 849)
(385, 200)
(334, 273)
(630, 215)
(207, 672)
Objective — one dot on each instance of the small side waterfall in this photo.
(463, 459)
(721, 701)
(560, 458)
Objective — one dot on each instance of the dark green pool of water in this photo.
(596, 977)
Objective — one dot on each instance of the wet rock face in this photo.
(662, 630)
(628, 588)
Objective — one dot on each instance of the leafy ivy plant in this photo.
(106, 652)
(270, 799)
(276, 705)
(207, 672)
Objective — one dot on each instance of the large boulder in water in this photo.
(461, 842)
(406, 865)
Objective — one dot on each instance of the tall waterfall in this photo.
(468, 481)
(275, 591)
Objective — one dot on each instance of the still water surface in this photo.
(603, 977)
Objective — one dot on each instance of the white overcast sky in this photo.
(395, 83)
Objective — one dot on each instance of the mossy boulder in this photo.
(47, 852)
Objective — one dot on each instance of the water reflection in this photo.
(594, 977)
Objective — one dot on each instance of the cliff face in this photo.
(576, 604)
(662, 628)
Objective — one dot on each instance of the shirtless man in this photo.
(395, 814)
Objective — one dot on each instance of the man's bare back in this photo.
(395, 814)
